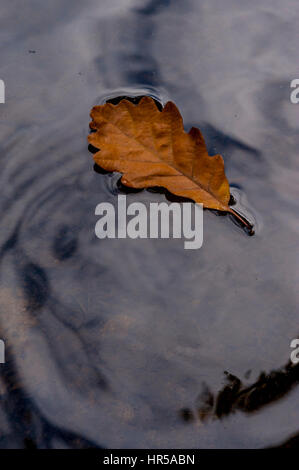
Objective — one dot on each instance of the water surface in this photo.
(140, 343)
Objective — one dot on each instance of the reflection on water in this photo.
(234, 396)
(111, 343)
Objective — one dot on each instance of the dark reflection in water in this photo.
(106, 340)
(35, 286)
(235, 396)
(65, 244)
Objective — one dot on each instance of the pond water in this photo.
(140, 343)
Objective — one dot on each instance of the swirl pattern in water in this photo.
(132, 343)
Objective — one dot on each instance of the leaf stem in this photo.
(243, 221)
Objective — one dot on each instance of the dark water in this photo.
(140, 343)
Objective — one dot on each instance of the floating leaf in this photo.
(150, 148)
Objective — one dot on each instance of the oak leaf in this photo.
(150, 148)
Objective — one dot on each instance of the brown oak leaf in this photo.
(150, 148)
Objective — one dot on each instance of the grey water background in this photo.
(123, 343)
